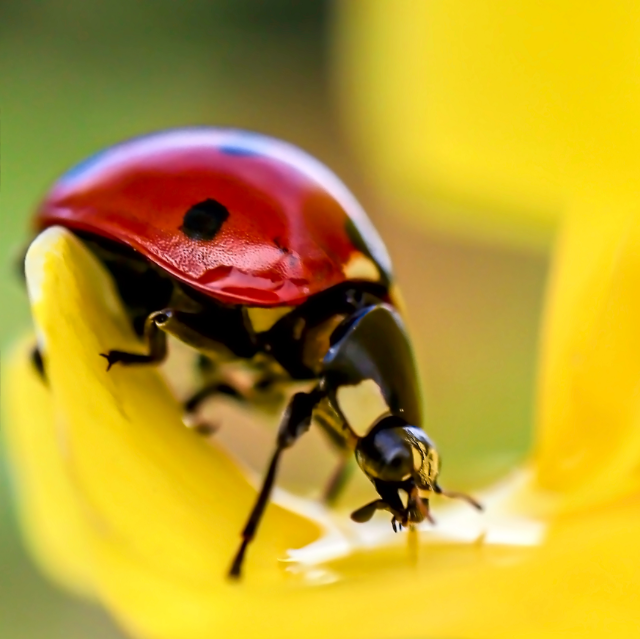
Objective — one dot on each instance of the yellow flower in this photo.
(483, 118)
(122, 503)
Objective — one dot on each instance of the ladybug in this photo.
(249, 250)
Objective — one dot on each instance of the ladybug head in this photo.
(396, 453)
(398, 457)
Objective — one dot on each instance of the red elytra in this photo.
(292, 226)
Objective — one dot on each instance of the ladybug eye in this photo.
(203, 221)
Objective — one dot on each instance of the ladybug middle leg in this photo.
(203, 330)
(155, 338)
(193, 329)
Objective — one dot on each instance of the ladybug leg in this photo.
(452, 494)
(330, 418)
(155, 338)
(366, 512)
(295, 422)
(38, 363)
(194, 402)
(338, 480)
(399, 518)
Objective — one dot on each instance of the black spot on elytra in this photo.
(239, 151)
(203, 221)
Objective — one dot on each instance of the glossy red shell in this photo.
(292, 226)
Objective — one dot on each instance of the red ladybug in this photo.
(247, 248)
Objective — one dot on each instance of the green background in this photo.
(76, 76)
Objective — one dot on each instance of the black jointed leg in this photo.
(366, 512)
(338, 479)
(38, 363)
(452, 494)
(155, 339)
(192, 404)
(295, 422)
(416, 511)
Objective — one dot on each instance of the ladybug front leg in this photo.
(453, 494)
(295, 422)
(155, 338)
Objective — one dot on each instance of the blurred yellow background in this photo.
(77, 76)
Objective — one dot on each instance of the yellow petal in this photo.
(589, 436)
(147, 486)
(161, 511)
(481, 116)
(49, 512)
(584, 581)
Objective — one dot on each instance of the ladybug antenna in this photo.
(452, 494)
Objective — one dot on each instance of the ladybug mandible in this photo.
(246, 248)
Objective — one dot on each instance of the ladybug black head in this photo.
(395, 452)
